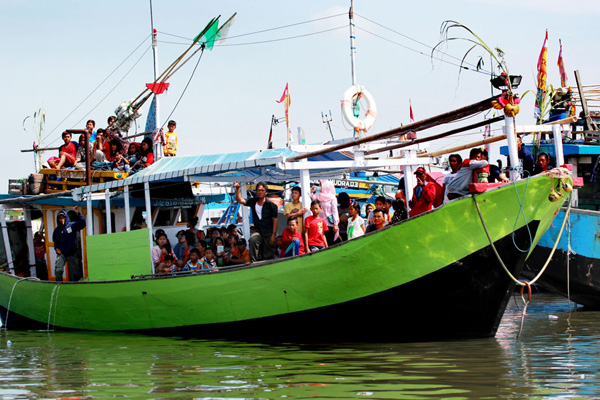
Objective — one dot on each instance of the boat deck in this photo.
(60, 180)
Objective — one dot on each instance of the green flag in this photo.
(210, 34)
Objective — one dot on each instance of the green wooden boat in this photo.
(430, 277)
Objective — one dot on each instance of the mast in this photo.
(352, 42)
(157, 147)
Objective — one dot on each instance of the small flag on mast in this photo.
(561, 67)
(286, 100)
(542, 76)
(411, 134)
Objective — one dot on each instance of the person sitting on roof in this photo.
(378, 221)
(264, 216)
(464, 177)
(80, 158)
(90, 125)
(146, 155)
(543, 163)
(66, 153)
(291, 240)
(423, 194)
(133, 154)
(314, 229)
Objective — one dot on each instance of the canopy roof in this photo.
(267, 165)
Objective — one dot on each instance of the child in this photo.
(208, 262)
(314, 229)
(295, 209)
(356, 225)
(167, 266)
(170, 148)
(291, 240)
(193, 265)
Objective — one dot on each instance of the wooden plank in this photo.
(589, 124)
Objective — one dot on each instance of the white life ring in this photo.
(350, 96)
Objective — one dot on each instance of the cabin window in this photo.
(137, 220)
(589, 196)
(112, 222)
(187, 213)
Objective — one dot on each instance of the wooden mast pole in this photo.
(417, 125)
(435, 137)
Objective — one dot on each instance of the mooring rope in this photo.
(511, 276)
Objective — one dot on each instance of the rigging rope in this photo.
(184, 89)
(97, 87)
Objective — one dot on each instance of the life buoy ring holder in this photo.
(354, 93)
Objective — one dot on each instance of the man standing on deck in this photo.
(264, 216)
(65, 245)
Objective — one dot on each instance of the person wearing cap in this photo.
(170, 148)
(423, 194)
(464, 177)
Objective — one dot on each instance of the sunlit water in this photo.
(557, 355)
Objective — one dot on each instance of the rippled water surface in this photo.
(556, 355)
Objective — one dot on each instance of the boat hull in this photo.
(575, 275)
(431, 277)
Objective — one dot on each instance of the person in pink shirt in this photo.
(329, 210)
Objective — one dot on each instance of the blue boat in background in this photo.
(574, 271)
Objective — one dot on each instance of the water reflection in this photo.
(554, 357)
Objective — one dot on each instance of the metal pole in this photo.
(149, 218)
(127, 209)
(245, 213)
(513, 150)
(558, 146)
(89, 227)
(352, 42)
(9, 259)
(107, 203)
(157, 149)
(29, 230)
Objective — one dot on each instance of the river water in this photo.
(556, 355)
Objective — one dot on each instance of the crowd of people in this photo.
(196, 252)
(109, 151)
(332, 218)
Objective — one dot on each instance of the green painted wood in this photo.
(119, 255)
(358, 268)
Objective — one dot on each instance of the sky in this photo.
(78, 60)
